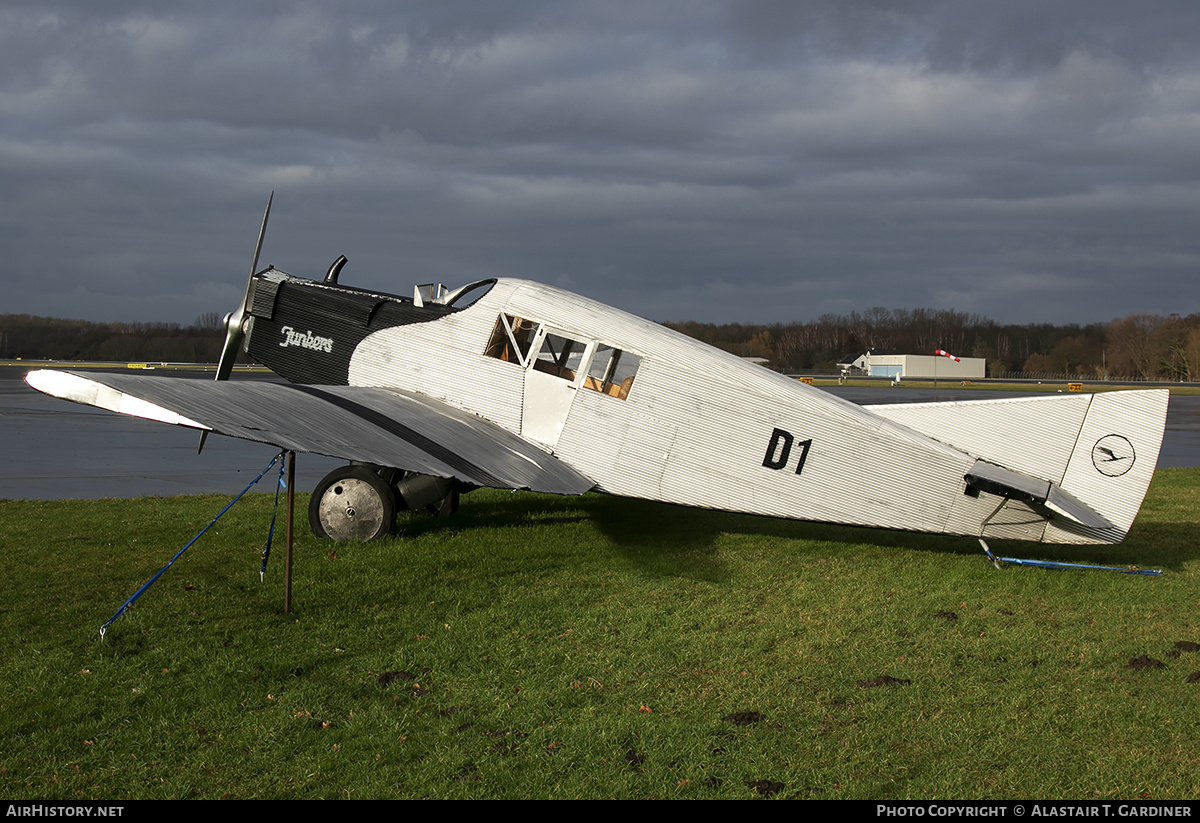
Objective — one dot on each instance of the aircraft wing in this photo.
(381, 426)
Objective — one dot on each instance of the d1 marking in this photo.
(779, 450)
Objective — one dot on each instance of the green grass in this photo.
(589, 647)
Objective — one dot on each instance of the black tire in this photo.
(352, 503)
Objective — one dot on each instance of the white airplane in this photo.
(512, 384)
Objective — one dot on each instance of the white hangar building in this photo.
(916, 366)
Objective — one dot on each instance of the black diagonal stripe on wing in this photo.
(478, 475)
(356, 423)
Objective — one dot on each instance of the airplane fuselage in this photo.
(640, 409)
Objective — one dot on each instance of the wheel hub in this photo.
(352, 509)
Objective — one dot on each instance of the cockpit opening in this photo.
(436, 294)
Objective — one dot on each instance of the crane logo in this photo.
(1113, 455)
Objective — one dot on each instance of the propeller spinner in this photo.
(234, 321)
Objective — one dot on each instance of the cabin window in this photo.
(560, 356)
(612, 371)
(510, 339)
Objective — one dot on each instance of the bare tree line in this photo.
(29, 337)
(1139, 346)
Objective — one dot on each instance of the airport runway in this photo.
(54, 450)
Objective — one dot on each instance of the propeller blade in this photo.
(233, 324)
(262, 232)
(234, 333)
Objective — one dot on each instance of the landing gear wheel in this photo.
(352, 503)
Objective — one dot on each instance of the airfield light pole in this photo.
(287, 554)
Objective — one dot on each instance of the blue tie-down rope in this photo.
(266, 554)
(1050, 564)
(150, 582)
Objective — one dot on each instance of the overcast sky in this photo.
(720, 161)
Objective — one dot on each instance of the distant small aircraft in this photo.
(512, 384)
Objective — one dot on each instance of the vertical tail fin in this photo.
(1114, 458)
(1100, 450)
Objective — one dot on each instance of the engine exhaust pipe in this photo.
(331, 276)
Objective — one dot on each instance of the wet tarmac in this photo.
(54, 450)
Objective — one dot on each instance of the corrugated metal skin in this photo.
(853, 473)
(446, 360)
(1052, 438)
(616, 437)
(699, 421)
(1014, 521)
(696, 425)
(1138, 416)
(381, 426)
(1033, 435)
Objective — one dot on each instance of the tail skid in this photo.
(1093, 454)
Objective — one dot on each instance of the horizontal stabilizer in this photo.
(1066, 504)
(993, 479)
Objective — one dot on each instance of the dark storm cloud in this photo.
(756, 161)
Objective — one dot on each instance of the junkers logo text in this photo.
(306, 340)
